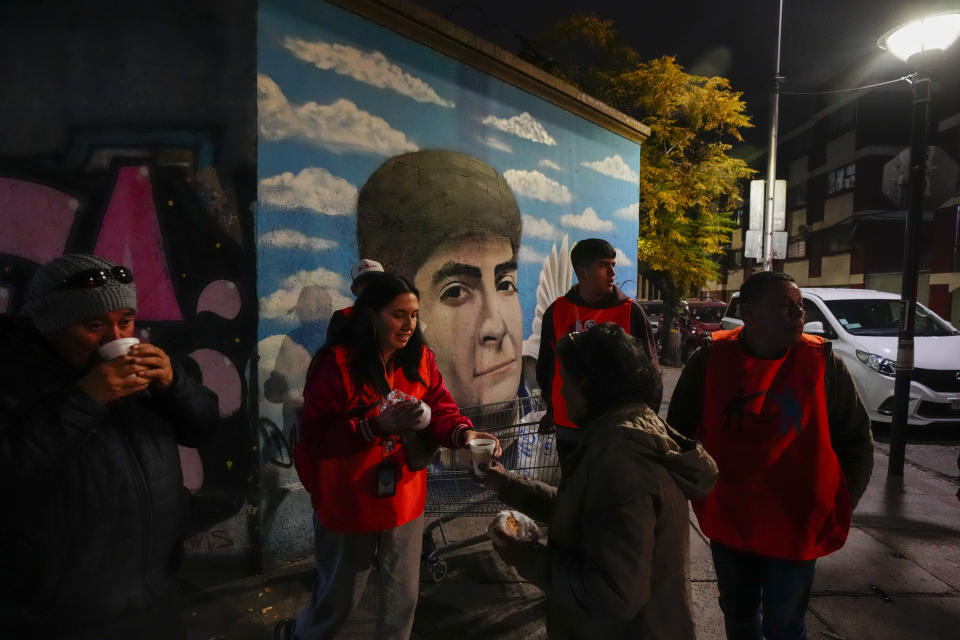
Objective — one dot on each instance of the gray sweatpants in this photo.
(344, 562)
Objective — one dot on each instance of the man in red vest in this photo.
(360, 274)
(778, 411)
(593, 300)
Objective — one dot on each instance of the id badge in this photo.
(386, 481)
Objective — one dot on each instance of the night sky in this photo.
(735, 39)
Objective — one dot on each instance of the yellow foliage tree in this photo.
(689, 186)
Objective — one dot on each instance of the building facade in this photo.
(847, 173)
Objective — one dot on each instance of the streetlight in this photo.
(917, 43)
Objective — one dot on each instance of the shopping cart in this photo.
(451, 490)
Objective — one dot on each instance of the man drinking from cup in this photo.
(90, 447)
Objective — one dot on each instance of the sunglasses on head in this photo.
(93, 278)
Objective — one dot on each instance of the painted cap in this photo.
(365, 266)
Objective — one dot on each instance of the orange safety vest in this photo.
(345, 488)
(781, 491)
(568, 317)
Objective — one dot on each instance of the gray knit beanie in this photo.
(52, 310)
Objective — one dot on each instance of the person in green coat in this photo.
(616, 564)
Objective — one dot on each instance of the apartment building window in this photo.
(796, 248)
(837, 239)
(842, 179)
(797, 196)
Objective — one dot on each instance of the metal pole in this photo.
(767, 241)
(908, 285)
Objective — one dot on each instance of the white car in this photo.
(863, 327)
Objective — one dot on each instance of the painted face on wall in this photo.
(471, 318)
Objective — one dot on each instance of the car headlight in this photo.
(877, 363)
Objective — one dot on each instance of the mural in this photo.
(371, 145)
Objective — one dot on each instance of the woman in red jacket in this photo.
(355, 455)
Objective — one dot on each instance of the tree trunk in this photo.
(669, 331)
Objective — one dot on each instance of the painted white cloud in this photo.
(278, 305)
(538, 228)
(550, 164)
(293, 239)
(526, 254)
(371, 68)
(587, 221)
(313, 188)
(533, 184)
(630, 212)
(339, 127)
(623, 260)
(523, 126)
(615, 167)
(494, 143)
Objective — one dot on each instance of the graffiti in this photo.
(274, 438)
(209, 541)
(191, 287)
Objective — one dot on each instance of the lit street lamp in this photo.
(917, 43)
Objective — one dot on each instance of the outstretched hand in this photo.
(494, 475)
(471, 434)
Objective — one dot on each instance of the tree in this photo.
(688, 186)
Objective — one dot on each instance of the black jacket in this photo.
(95, 507)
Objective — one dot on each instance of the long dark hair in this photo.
(359, 335)
(613, 366)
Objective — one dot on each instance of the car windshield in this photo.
(652, 308)
(707, 314)
(882, 318)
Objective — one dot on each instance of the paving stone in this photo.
(904, 618)
(865, 563)
(936, 552)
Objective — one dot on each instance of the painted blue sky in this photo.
(338, 96)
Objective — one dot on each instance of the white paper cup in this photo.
(116, 348)
(481, 451)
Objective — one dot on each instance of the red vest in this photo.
(569, 317)
(781, 491)
(345, 488)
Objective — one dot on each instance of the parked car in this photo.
(697, 321)
(863, 326)
(654, 311)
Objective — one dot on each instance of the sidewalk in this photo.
(898, 577)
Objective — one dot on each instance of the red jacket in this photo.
(781, 491)
(339, 466)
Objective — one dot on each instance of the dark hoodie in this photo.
(617, 561)
(95, 506)
(639, 328)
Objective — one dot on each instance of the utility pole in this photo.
(772, 155)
